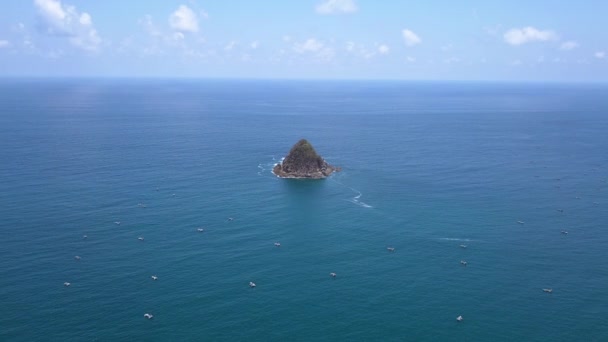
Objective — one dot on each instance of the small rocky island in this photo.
(303, 162)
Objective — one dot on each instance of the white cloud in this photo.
(315, 48)
(447, 47)
(326, 54)
(85, 19)
(162, 40)
(336, 6)
(516, 62)
(4, 43)
(148, 25)
(254, 44)
(177, 36)
(230, 45)
(19, 28)
(410, 59)
(493, 30)
(410, 38)
(184, 19)
(89, 41)
(52, 11)
(600, 55)
(54, 54)
(519, 36)
(350, 46)
(286, 38)
(569, 45)
(64, 20)
(365, 52)
(310, 45)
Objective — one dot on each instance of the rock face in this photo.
(303, 162)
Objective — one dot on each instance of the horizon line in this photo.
(300, 79)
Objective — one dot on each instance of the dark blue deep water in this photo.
(427, 167)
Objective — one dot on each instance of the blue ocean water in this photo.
(427, 167)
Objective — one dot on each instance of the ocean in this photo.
(426, 167)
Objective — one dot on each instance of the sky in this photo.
(517, 40)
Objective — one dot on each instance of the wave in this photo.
(455, 239)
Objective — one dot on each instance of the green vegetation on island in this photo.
(303, 162)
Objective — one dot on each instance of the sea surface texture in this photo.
(89, 166)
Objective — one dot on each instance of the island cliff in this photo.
(303, 162)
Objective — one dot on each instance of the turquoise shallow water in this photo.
(426, 167)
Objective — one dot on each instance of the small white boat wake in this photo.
(356, 200)
(454, 239)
